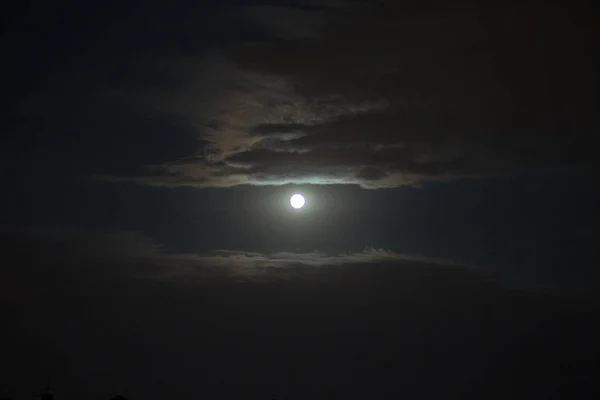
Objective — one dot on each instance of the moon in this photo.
(297, 201)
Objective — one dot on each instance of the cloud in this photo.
(384, 97)
(290, 264)
(133, 255)
(32, 257)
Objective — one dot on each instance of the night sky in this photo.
(446, 151)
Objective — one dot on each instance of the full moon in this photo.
(297, 201)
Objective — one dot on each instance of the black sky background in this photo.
(447, 155)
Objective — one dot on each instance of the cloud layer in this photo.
(384, 97)
(133, 255)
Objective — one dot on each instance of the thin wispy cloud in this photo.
(134, 255)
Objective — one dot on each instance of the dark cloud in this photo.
(33, 256)
(386, 96)
(132, 255)
(371, 174)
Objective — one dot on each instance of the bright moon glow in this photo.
(297, 201)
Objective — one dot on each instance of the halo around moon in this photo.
(297, 201)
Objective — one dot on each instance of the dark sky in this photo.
(446, 150)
